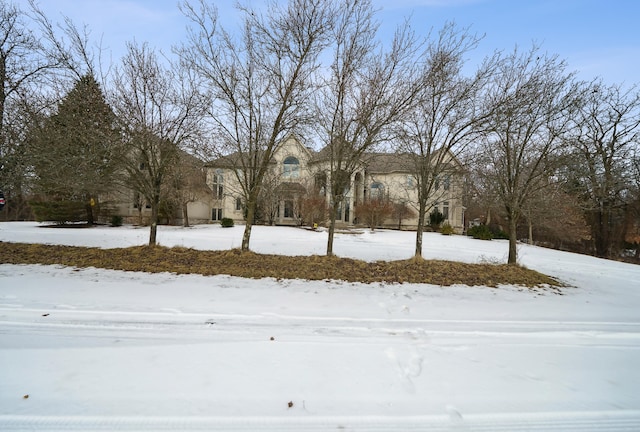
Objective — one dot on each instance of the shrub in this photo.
(446, 229)
(481, 232)
(313, 209)
(499, 234)
(374, 212)
(435, 219)
(116, 220)
(226, 222)
(59, 211)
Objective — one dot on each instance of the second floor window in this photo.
(376, 191)
(218, 184)
(291, 167)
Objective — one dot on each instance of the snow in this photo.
(107, 350)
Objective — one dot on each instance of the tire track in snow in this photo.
(603, 421)
(101, 318)
(201, 326)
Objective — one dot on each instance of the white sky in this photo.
(597, 38)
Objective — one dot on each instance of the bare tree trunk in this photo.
(185, 215)
(602, 233)
(155, 207)
(530, 232)
(332, 228)
(420, 230)
(251, 212)
(153, 231)
(89, 210)
(513, 235)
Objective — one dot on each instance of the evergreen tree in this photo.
(76, 152)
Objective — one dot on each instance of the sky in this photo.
(597, 38)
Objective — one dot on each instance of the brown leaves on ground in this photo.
(180, 260)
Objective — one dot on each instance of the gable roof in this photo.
(234, 160)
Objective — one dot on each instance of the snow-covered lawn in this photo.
(107, 350)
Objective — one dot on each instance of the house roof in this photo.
(378, 163)
(375, 162)
(233, 160)
(382, 163)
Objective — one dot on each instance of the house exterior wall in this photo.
(138, 213)
(199, 211)
(398, 186)
(401, 187)
(228, 201)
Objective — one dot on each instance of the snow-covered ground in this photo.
(107, 350)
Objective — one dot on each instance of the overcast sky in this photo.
(595, 37)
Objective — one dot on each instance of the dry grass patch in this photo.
(182, 260)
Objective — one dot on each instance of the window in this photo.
(445, 210)
(288, 208)
(238, 204)
(291, 167)
(321, 183)
(217, 185)
(410, 181)
(139, 201)
(444, 181)
(216, 214)
(377, 191)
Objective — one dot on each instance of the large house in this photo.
(297, 171)
(188, 192)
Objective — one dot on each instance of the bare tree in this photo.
(444, 121)
(161, 110)
(530, 99)
(402, 210)
(187, 183)
(260, 82)
(603, 144)
(313, 207)
(25, 64)
(373, 212)
(368, 87)
(39, 62)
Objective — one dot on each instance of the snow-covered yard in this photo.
(107, 350)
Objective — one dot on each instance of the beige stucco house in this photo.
(186, 186)
(296, 170)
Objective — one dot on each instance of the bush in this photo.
(313, 209)
(59, 211)
(435, 219)
(499, 234)
(116, 220)
(226, 222)
(481, 232)
(446, 229)
(374, 212)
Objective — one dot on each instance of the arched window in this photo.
(291, 167)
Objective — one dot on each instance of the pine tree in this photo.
(76, 153)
